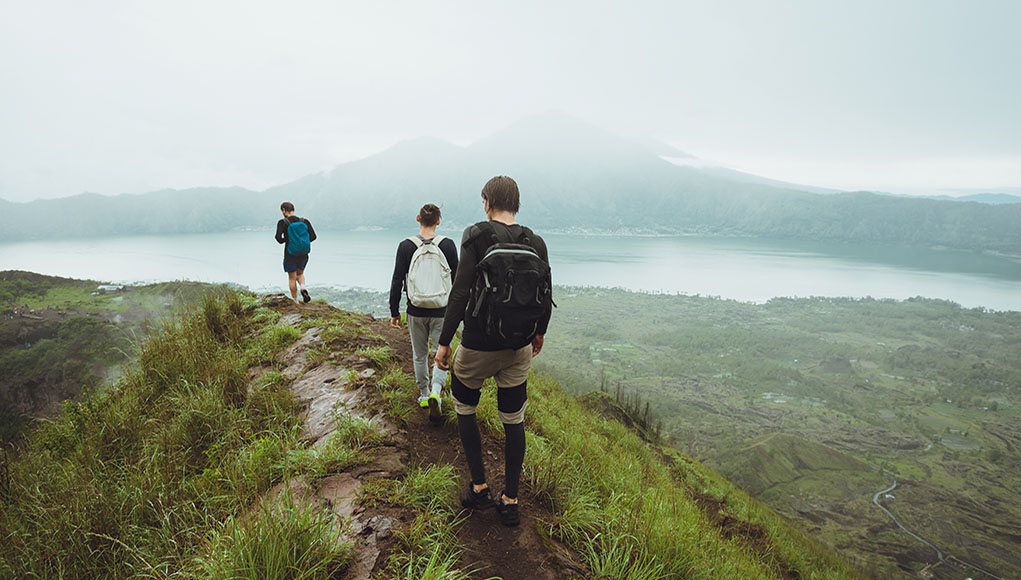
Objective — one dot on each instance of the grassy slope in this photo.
(150, 478)
(79, 343)
(858, 390)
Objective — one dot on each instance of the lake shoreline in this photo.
(753, 270)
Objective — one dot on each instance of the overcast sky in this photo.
(116, 97)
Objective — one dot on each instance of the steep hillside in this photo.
(816, 404)
(259, 439)
(59, 336)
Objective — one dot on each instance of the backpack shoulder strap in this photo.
(437, 239)
(415, 240)
(527, 238)
(483, 236)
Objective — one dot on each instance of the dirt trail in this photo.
(489, 548)
(510, 553)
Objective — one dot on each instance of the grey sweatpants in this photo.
(421, 329)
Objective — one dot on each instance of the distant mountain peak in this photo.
(662, 148)
(419, 145)
(552, 123)
(558, 138)
(415, 150)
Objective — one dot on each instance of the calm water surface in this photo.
(741, 269)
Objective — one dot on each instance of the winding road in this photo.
(875, 500)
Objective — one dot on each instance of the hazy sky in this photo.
(119, 97)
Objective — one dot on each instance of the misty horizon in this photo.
(114, 97)
(661, 149)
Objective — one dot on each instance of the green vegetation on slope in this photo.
(153, 478)
(149, 478)
(815, 404)
(59, 336)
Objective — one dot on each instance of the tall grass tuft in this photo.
(280, 542)
(398, 390)
(132, 481)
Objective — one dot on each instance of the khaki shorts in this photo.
(508, 367)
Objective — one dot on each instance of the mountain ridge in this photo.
(571, 174)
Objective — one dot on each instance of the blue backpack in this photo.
(298, 243)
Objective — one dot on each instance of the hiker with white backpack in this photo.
(424, 271)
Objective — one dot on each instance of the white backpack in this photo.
(428, 280)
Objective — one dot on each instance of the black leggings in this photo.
(514, 434)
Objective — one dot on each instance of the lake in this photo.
(751, 270)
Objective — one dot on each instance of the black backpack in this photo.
(513, 288)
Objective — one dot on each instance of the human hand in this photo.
(537, 344)
(442, 357)
(395, 321)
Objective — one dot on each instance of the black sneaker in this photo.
(477, 500)
(508, 512)
(305, 296)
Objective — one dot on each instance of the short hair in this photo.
(429, 215)
(287, 206)
(502, 193)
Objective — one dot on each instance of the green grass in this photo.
(428, 547)
(379, 355)
(269, 343)
(76, 351)
(137, 480)
(156, 478)
(399, 391)
(870, 375)
(284, 541)
(628, 513)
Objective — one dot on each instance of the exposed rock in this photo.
(322, 391)
(290, 320)
(296, 357)
(367, 549)
(389, 464)
(326, 391)
(341, 491)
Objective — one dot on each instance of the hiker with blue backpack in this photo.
(504, 295)
(297, 236)
(424, 271)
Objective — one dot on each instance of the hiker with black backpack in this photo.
(424, 270)
(503, 294)
(297, 236)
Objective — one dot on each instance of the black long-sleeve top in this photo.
(473, 248)
(405, 250)
(281, 236)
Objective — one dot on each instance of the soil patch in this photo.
(489, 548)
(752, 535)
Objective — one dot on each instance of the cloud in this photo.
(114, 96)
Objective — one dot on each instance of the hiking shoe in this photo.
(435, 408)
(423, 401)
(508, 512)
(474, 500)
(305, 296)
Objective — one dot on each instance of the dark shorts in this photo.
(295, 264)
